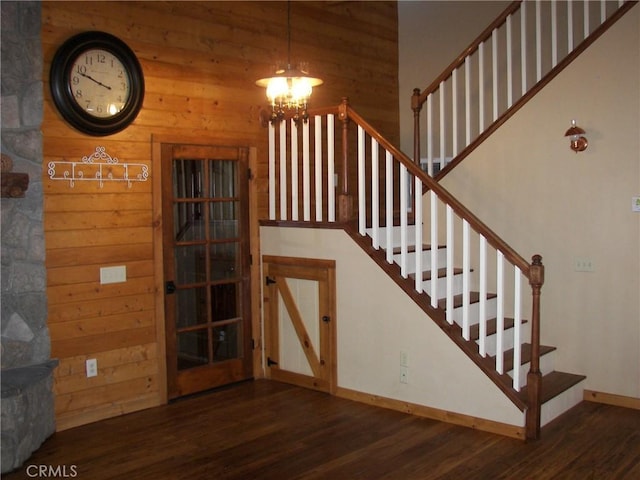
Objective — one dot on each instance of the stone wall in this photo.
(25, 343)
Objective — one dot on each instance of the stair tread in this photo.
(442, 273)
(554, 383)
(474, 297)
(412, 248)
(492, 327)
(525, 355)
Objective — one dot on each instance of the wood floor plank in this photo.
(269, 430)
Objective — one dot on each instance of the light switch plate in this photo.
(113, 274)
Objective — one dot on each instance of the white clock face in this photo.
(99, 83)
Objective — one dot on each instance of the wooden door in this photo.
(300, 323)
(206, 266)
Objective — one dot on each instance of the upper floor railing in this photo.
(505, 66)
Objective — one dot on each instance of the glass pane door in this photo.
(209, 268)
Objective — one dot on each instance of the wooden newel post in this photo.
(416, 106)
(534, 377)
(345, 200)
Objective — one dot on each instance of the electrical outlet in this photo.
(92, 367)
(404, 375)
(583, 264)
(404, 358)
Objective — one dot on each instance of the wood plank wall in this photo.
(200, 61)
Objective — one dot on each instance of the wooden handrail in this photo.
(486, 34)
(494, 240)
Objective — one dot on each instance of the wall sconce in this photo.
(577, 141)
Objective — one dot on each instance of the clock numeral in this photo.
(78, 93)
(101, 58)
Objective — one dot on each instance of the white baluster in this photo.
(466, 269)
(494, 55)
(430, 135)
(418, 229)
(294, 171)
(389, 205)
(483, 296)
(283, 170)
(509, 64)
(500, 313)
(306, 177)
(517, 321)
(467, 99)
(586, 19)
(318, 166)
(569, 26)
(434, 248)
(523, 46)
(272, 171)
(481, 87)
(331, 188)
(403, 220)
(362, 208)
(554, 33)
(375, 195)
(449, 248)
(603, 11)
(454, 110)
(538, 41)
(443, 128)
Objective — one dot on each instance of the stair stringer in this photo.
(376, 320)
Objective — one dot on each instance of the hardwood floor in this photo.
(268, 430)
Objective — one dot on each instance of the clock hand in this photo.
(94, 80)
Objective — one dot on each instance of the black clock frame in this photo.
(62, 94)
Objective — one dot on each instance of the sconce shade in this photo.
(577, 141)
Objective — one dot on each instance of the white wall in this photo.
(527, 185)
(377, 320)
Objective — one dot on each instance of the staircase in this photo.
(560, 390)
(482, 293)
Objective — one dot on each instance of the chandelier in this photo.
(289, 89)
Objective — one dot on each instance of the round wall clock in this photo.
(96, 83)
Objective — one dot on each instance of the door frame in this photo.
(157, 142)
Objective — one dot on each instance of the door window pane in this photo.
(188, 225)
(193, 349)
(224, 301)
(226, 342)
(188, 176)
(224, 261)
(222, 178)
(191, 307)
(223, 221)
(190, 264)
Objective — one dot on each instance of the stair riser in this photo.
(441, 261)
(547, 365)
(474, 312)
(561, 403)
(491, 341)
(395, 235)
(441, 285)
